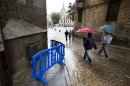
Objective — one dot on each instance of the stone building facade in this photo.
(95, 13)
(31, 12)
(18, 36)
(65, 21)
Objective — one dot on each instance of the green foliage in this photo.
(55, 17)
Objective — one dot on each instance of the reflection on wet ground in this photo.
(103, 72)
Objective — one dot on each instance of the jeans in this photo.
(87, 55)
(103, 48)
(66, 37)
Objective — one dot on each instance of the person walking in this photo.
(106, 40)
(66, 34)
(88, 43)
(70, 34)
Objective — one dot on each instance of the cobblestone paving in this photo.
(103, 72)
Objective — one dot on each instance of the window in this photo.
(80, 13)
(80, 10)
(113, 8)
(81, 0)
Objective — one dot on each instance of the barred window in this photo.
(81, 0)
(80, 13)
(80, 10)
(113, 8)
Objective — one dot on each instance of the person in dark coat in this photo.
(66, 34)
(73, 34)
(70, 34)
(88, 43)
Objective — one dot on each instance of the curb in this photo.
(67, 78)
(114, 46)
(120, 47)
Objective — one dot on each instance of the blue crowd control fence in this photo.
(45, 59)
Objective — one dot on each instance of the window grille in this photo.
(113, 8)
(80, 13)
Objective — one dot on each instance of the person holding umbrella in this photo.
(66, 34)
(106, 40)
(88, 42)
(108, 32)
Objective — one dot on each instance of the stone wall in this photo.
(4, 13)
(94, 16)
(17, 50)
(33, 11)
(123, 22)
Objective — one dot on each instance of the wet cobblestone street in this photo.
(103, 72)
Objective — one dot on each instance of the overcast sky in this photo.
(56, 5)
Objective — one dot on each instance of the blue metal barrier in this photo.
(47, 58)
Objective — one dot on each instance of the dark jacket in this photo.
(89, 43)
(66, 33)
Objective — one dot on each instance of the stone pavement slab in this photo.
(24, 78)
(56, 76)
